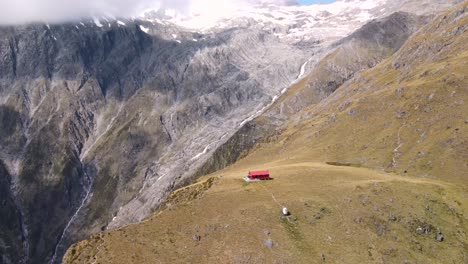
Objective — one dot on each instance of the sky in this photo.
(308, 2)
(56, 11)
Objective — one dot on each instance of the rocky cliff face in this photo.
(11, 234)
(92, 117)
(101, 119)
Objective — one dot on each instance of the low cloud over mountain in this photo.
(54, 11)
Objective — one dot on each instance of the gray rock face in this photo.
(99, 121)
(10, 223)
(95, 119)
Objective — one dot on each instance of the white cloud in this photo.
(54, 11)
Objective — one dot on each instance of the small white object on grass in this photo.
(285, 211)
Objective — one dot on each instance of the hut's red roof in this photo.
(259, 173)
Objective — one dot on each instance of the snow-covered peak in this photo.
(292, 22)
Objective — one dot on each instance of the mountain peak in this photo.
(288, 20)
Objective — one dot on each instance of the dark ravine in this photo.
(61, 245)
(14, 242)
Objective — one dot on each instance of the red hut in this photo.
(259, 175)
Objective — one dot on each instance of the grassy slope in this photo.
(343, 214)
(406, 115)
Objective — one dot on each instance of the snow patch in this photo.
(302, 71)
(144, 29)
(205, 150)
(96, 21)
(364, 16)
(159, 21)
(298, 21)
(121, 23)
(160, 178)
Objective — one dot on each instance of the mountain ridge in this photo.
(104, 118)
(320, 164)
